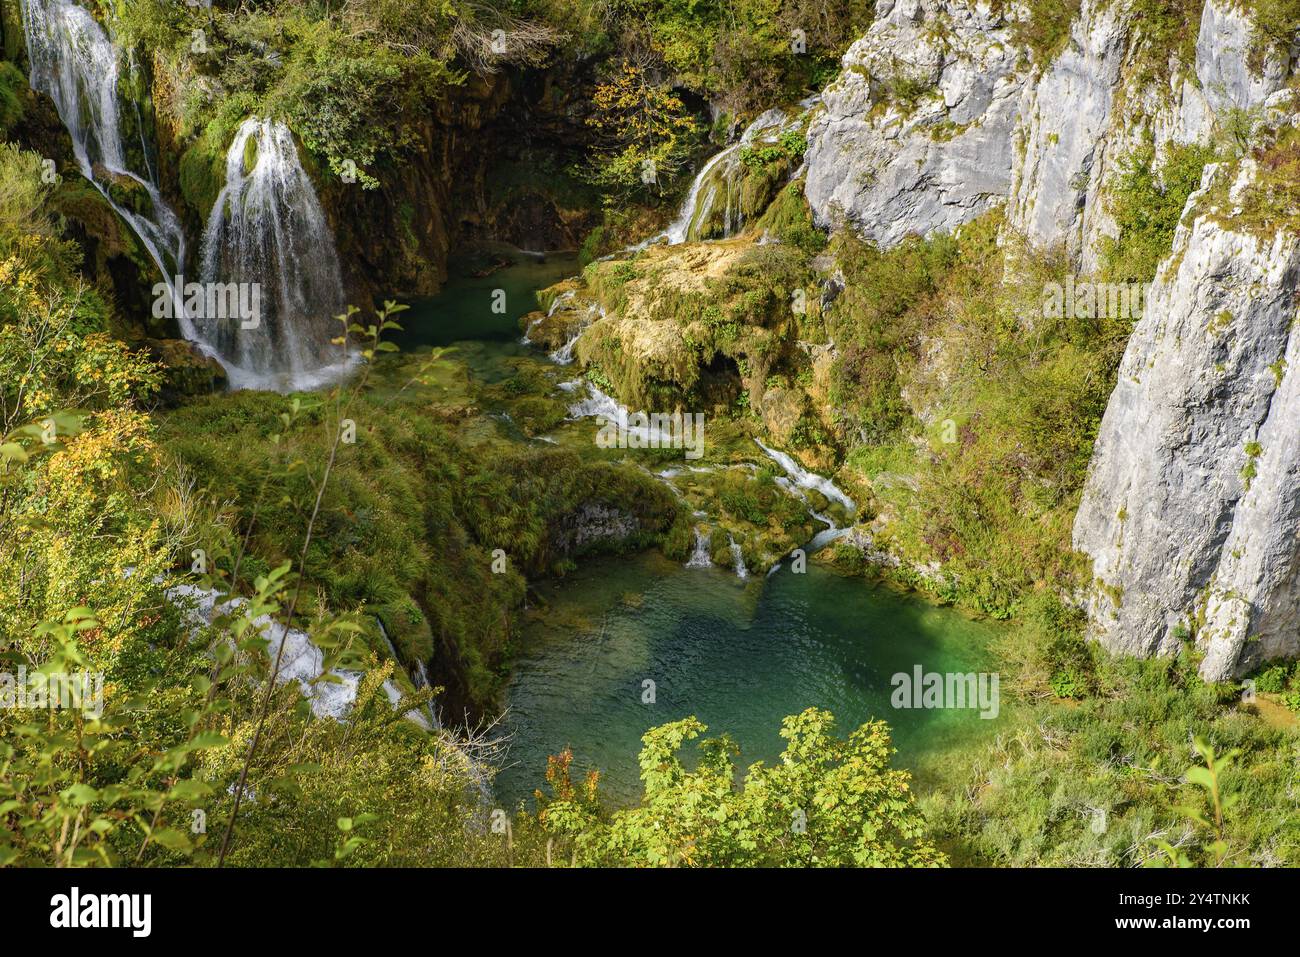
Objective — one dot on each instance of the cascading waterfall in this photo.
(75, 62)
(797, 480)
(267, 229)
(559, 301)
(720, 178)
(303, 661)
(700, 554)
(564, 355)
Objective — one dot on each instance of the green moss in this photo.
(408, 629)
(412, 515)
(13, 87)
(1046, 28)
(202, 176)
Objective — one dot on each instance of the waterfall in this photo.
(797, 480)
(267, 229)
(700, 555)
(598, 404)
(738, 559)
(802, 478)
(75, 62)
(704, 185)
(720, 177)
(302, 661)
(564, 355)
(420, 679)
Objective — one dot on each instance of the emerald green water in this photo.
(739, 655)
(484, 308)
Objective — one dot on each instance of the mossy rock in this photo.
(186, 371)
(202, 175)
(408, 629)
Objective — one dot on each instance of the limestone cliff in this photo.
(1191, 512)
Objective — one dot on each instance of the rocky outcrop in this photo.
(1226, 64)
(938, 116)
(186, 371)
(1191, 512)
(915, 133)
(1061, 138)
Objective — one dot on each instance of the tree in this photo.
(643, 133)
(828, 803)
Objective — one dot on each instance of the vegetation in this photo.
(827, 803)
(172, 549)
(645, 133)
(1147, 203)
(1119, 775)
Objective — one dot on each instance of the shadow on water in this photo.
(489, 289)
(740, 657)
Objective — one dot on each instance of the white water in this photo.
(738, 559)
(267, 227)
(555, 304)
(564, 355)
(75, 62)
(700, 555)
(598, 404)
(797, 481)
(594, 312)
(807, 480)
(708, 187)
(302, 661)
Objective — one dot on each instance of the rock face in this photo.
(1223, 61)
(894, 162)
(990, 129)
(1191, 512)
(1192, 505)
(1062, 141)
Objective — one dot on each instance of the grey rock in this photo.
(1177, 538)
(1064, 120)
(1223, 60)
(890, 170)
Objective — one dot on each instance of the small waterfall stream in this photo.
(798, 479)
(700, 554)
(738, 559)
(267, 228)
(74, 61)
(720, 180)
(420, 679)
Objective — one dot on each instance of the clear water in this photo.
(466, 307)
(740, 656)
